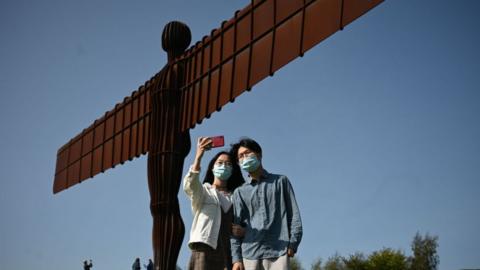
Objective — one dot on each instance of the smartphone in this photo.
(217, 141)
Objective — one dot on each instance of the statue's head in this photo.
(176, 37)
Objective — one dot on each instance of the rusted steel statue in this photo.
(156, 119)
(169, 146)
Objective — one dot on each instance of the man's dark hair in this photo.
(235, 180)
(247, 143)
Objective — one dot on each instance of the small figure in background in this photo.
(149, 266)
(86, 265)
(136, 264)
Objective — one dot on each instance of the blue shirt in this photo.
(268, 211)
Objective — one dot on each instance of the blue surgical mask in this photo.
(222, 172)
(250, 163)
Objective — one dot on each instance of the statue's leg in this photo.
(164, 178)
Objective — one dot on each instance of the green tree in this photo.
(356, 261)
(387, 259)
(425, 255)
(335, 263)
(295, 264)
(317, 264)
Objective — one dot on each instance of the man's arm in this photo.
(236, 242)
(294, 219)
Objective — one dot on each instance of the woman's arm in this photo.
(191, 183)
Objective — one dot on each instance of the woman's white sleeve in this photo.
(194, 189)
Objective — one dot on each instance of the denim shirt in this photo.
(268, 211)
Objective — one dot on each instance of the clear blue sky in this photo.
(378, 129)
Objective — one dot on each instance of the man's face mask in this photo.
(250, 163)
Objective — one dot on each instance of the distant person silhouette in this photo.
(149, 266)
(86, 265)
(136, 264)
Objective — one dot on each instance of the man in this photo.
(267, 209)
(136, 264)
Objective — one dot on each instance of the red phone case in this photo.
(217, 141)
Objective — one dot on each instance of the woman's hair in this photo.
(235, 180)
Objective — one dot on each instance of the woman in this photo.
(211, 206)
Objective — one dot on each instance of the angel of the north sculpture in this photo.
(156, 118)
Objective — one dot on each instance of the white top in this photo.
(207, 203)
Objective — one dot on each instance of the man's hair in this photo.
(247, 143)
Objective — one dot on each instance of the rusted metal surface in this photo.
(256, 42)
(168, 147)
(120, 135)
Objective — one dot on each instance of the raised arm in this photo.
(191, 183)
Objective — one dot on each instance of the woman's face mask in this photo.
(222, 172)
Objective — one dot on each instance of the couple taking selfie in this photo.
(238, 224)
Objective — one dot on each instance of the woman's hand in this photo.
(290, 252)
(238, 266)
(203, 144)
(238, 231)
